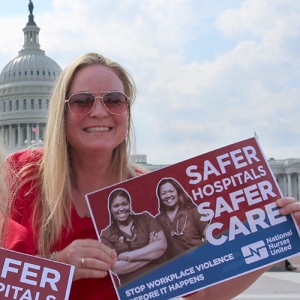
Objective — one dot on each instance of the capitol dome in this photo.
(30, 65)
(26, 83)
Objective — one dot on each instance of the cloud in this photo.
(208, 73)
(12, 40)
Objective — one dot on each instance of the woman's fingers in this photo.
(98, 250)
(91, 258)
(289, 205)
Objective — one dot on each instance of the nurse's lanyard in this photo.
(176, 232)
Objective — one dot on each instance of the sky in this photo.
(209, 73)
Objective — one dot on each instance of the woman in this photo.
(179, 218)
(137, 238)
(86, 148)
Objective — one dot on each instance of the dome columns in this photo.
(19, 136)
(287, 174)
(31, 36)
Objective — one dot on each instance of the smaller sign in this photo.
(29, 277)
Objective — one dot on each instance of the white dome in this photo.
(34, 66)
(31, 64)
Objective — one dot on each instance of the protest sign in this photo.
(26, 277)
(227, 223)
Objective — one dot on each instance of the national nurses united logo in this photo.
(255, 252)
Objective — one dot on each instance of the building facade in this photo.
(26, 83)
(287, 173)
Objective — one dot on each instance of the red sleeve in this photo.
(20, 159)
(25, 195)
(17, 238)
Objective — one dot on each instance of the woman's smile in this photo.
(97, 129)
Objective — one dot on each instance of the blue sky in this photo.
(208, 72)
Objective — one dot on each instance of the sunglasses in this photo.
(82, 103)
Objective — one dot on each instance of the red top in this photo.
(82, 228)
(17, 238)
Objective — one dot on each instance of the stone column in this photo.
(298, 187)
(10, 135)
(284, 191)
(20, 136)
(28, 135)
(289, 177)
(37, 134)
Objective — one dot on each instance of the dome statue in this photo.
(30, 7)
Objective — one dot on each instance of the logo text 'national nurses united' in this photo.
(234, 192)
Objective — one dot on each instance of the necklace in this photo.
(106, 180)
(87, 214)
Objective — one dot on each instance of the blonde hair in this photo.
(53, 208)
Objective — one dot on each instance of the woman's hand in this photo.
(153, 237)
(289, 205)
(233, 287)
(91, 258)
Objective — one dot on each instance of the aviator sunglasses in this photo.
(82, 103)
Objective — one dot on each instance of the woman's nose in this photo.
(99, 109)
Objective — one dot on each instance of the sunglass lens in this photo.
(115, 102)
(81, 104)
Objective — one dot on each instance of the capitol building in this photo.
(26, 83)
